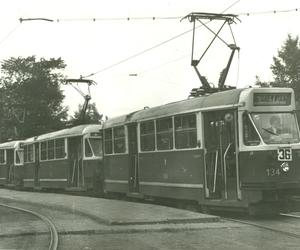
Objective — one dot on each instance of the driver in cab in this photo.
(275, 129)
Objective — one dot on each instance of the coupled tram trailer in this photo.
(11, 161)
(222, 150)
(69, 159)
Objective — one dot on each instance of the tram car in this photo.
(68, 159)
(237, 149)
(11, 161)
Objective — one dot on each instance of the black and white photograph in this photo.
(149, 125)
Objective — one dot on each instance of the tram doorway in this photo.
(133, 158)
(10, 166)
(221, 162)
(37, 165)
(76, 179)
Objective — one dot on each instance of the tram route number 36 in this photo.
(284, 154)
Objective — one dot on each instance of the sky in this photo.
(145, 62)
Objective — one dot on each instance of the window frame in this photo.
(26, 153)
(4, 157)
(112, 141)
(186, 130)
(198, 132)
(147, 134)
(20, 153)
(54, 150)
(94, 156)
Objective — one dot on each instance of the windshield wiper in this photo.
(269, 131)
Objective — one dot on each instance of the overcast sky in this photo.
(160, 75)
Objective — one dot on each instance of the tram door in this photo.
(37, 164)
(133, 158)
(10, 166)
(75, 168)
(221, 169)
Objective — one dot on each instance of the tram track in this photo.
(262, 225)
(53, 244)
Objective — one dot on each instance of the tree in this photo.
(286, 66)
(31, 96)
(92, 116)
(261, 84)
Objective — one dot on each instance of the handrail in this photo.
(215, 173)
(225, 172)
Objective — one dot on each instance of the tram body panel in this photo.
(3, 174)
(174, 174)
(116, 173)
(93, 173)
(54, 174)
(262, 170)
(30, 176)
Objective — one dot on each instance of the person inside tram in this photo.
(275, 125)
(275, 128)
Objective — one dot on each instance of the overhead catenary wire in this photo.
(153, 47)
(268, 12)
(9, 34)
(95, 19)
(154, 18)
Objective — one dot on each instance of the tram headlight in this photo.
(285, 167)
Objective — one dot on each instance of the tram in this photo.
(221, 150)
(68, 159)
(11, 161)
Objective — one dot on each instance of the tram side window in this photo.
(96, 144)
(185, 131)
(147, 136)
(60, 148)
(2, 156)
(88, 149)
(119, 140)
(93, 147)
(19, 156)
(108, 141)
(44, 150)
(28, 153)
(51, 150)
(251, 137)
(164, 133)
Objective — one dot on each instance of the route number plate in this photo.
(284, 154)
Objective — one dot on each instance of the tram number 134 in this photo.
(273, 171)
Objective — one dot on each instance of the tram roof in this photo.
(69, 132)
(225, 98)
(9, 144)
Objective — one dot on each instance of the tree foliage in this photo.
(31, 96)
(286, 66)
(92, 116)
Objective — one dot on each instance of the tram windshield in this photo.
(276, 128)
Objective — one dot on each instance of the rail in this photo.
(53, 245)
(272, 229)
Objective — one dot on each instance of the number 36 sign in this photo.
(284, 154)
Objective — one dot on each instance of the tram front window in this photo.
(276, 128)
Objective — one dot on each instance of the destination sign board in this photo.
(271, 99)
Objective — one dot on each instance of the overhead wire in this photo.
(154, 47)
(268, 12)
(9, 34)
(94, 19)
